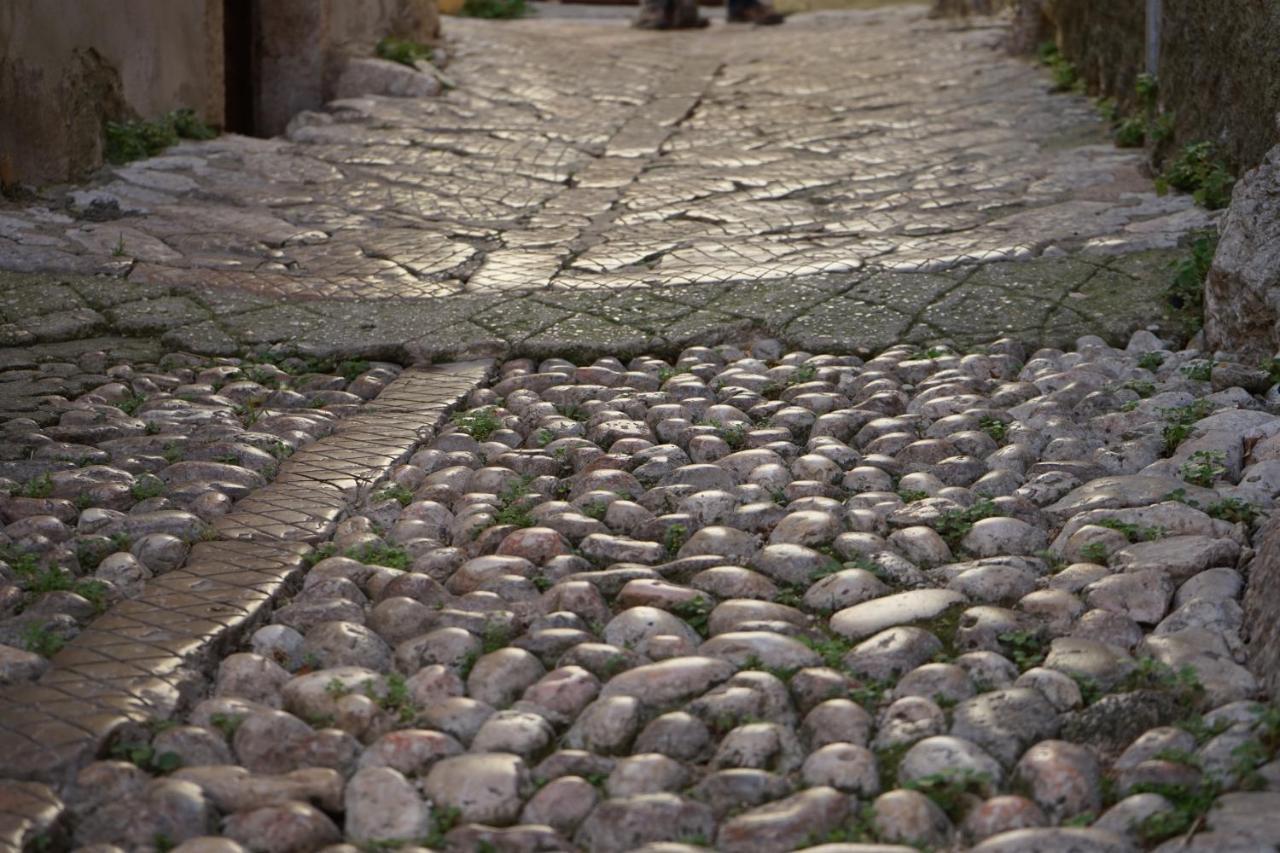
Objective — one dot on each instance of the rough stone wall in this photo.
(1262, 612)
(1219, 62)
(1220, 72)
(68, 65)
(1242, 294)
(303, 44)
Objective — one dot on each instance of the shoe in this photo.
(758, 14)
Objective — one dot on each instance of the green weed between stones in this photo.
(37, 487)
(675, 537)
(1190, 804)
(391, 556)
(695, 611)
(132, 140)
(39, 640)
(1186, 292)
(496, 9)
(1027, 649)
(480, 424)
(954, 525)
(1133, 532)
(1180, 421)
(1200, 170)
(1233, 510)
(997, 429)
(1198, 371)
(1204, 468)
(953, 791)
(228, 724)
(145, 757)
(513, 509)
(1065, 76)
(403, 51)
(395, 492)
(1095, 552)
(1151, 361)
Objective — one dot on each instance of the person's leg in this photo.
(751, 12)
(654, 15)
(686, 15)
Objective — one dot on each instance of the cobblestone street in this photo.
(757, 439)
(832, 182)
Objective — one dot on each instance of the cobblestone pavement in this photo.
(846, 182)
(262, 588)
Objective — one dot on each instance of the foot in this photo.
(759, 14)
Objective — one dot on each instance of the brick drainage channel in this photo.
(671, 602)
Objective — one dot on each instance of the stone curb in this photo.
(146, 657)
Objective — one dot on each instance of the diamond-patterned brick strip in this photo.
(144, 657)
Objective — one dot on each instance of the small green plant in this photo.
(1233, 510)
(36, 487)
(496, 636)
(513, 508)
(145, 757)
(869, 693)
(443, 819)
(480, 424)
(118, 250)
(953, 791)
(830, 648)
(1180, 422)
(1186, 292)
(791, 595)
(395, 492)
(132, 140)
(496, 9)
(695, 611)
(395, 699)
(147, 486)
(1130, 132)
(1199, 370)
(404, 51)
(665, 372)
(1141, 387)
(228, 724)
(1204, 468)
(734, 435)
(391, 556)
(953, 525)
(1151, 361)
(673, 540)
(321, 552)
(910, 496)
(40, 640)
(997, 429)
(596, 510)
(1198, 169)
(1095, 552)
(1065, 76)
(1190, 804)
(543, 437)
(1026, 649)
(1133, 532)
(803, 373)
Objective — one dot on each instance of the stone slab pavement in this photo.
(845, 182)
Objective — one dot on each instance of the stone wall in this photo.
(302, 46)
(1219, 62)
(66, 66)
